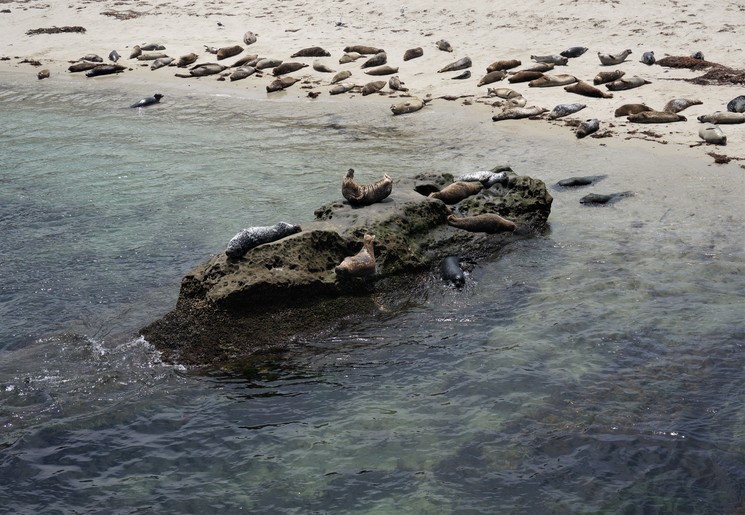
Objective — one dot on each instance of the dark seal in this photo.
(451, 271)
(252, 237)
(148, 101)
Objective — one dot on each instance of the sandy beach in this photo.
(484, 34)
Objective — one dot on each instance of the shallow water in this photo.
(596, 368)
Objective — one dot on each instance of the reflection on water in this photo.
(596, 368)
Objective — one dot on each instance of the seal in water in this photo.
(676, 105)
(285, 68)
(413, 53)
(362, 263)
(314, 51)
(605, 77)
(588, 90)
(252, 237)
(574, 51)
(378, 59)
(460, 64)
(515, 113)
(506, 64)
(148, 101)
(573, 182)
(656, 117)
(549, 81)
(490, 223)
(373, 87)
(487, 178)
(408, 106)
(457, 191)
(587, 127)
(628, 109)
(444, 46)
(562, 110)
(736, 105)
(630, 83)
(648, 58)
(451, 271)
(722, 117)
(365, 194)
(711, 133)
(550, 59)
(613, 59)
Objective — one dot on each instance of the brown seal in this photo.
(604, 77)
(548, 81)
(362, 263)
(363, 49)
(280, 84)
(342, 75)
(43, 74)
(457, 191)
(628, 109)
(320, 67)
(656, 117)
(583, 88)
(228, 51)
(490, 223)
(372, 87)
(539, 67)
(314, 51)
(349, 57)
(503, 65)
(186, 60)
(490, 77)
(396, 84)
(722, 117)
(365, 194)
(342, 87)
(286, 68)
(630, 83)
(524, 76)
(413, 53)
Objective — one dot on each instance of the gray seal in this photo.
(252, 237)
(516, 113)
(490, 223)
(365, 194)
(736, 105)
(559, 60)
(648, 58)
(147, 101)
(451, 271)
(487, 178)
(722, 117)
(676, 105)
(413, 53)
(114, 56)
(444, 46)
(626, 83)
(105, 69)
(410, 105)
(588, 127)
(586, 89)
(457, 191)
(460, 64)
(378, 59)
(562, 110)
(574, 51)
(314, 51)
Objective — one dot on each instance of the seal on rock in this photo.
(413, 53)
(588, 90)
(629, 83)
(491, 77)
(228, 51)
(605, 77)
(457, 191)
(628, 109)
(410, 105)
(722, 117)
(362, 263)
(736, 105)
(515, 113)
(252, 237)
(562, 110)
(314, 51)
(549, 81)
(656, 117)
(613, 59)
(587, 127)
(676, 105)
(712, 134)
(506, 64)
(574, 51)
(444, 46)
(460, 64)
(451, 271)
(365, 194)
(287, 67)
(551, 59)
(373, 87)
(487, 178)
(490, 223)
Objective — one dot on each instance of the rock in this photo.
(232, 310)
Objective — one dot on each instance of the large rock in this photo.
(230, 309)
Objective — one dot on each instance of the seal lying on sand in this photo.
(444, 46)
(491, 77)
(562, 110)
(627, 109)
(583, 88)
(362, 263)
(630, 83)
(252, 237)
(314, 51)
(676, 105)
(413, 53)
(460, 64)
(280, 84)
(574, 51)
(551, 59)
(503, 65)
(736, 105)
(722, 117)
(605, 77)
(656, 117)
(408, 106)
(588, 127)
(548, 81)
(342, 75)
(148, 101)
(711, 133)
(489, 223)
(515, 113)
(613, 59)
(363, 49)
(365, 194)
(228, 51)
(373, 87)
(457, 191)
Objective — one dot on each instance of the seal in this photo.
(605, 77)
(136, 51)
(152, 46)
(698, 55)
(363, 49)
(361, 264)
(228, 51)
(722, 117)
(314, 51)
(444, 46)
(524, 76)
(105, 69)
(252, 237)
(549, 81)
(460, 64)
(342, 75)
(463, 75)
(114, 56)
(451, 271)
(562, 110)
(43, 74)
(320, 67)
(373, 87)
(349, 58)
(203, 70)
(160, 63)
(280, 84)
(539, 67)
(629, 83)
(382, 70)
(506, 64)
(613, 59)
(411, 105)
(491, 77)
(210, 49)
(342, 87)
(551, 59)
(249, 38)
(287, 67)
(487, 178)
(520, 101)
(574, 51)
(505, 93)
(736, 105)
(676, 105)
(151, 56)
(81, 66)
(378, 59)
(490, 223)
(413, 53)
(656, 117)
(147, 101)
(396, 84)
(712, 134)
(515, 113)
(588, 90)
(573, 182)
(648, 58)
(265, 63)
(242, 73)
(246, 60)
(93, 58)
(599, 198)
(628, 109)
(365, 194)
(186, 60)
(587, 127)
(457, 191)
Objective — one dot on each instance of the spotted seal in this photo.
(562, 110)
(242, 72)
(605, 77)
(361, 264)
(314, 51)
(712, 134)
(43, 74)
(252, 237)
(736, 105)
(460, 64)
(648, 58)
(457, 191)
(249, 38)
(613, 59)
(722, 117)
(587, 127)
(490, 223)
(365, 194)
(585, 89)
(451, 271)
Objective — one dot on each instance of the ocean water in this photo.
(597, 368)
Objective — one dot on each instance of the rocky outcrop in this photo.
(230, 309)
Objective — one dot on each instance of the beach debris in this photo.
(56, 30)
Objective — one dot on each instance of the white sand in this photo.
(484, 31)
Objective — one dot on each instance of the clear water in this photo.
(595, 369)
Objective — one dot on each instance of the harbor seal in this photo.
(314, 51)
(506, 64)
(516, 113)
(81, 66)
(242, 72)
(444, 46)
(491, 77)
(463, 75)
(365, 194)
(490, 223)
(628, 109)
(43, 74)
(627, 83)
(186, 60)
(342, 75)
(722, 117)
(676, 105)
(136, 51)
(320, 67)
(349, 57)
(559, 60)
(287, 67)
(249, 38)
(605, 77)
(105, 69)
(457, 191)
(505, 93)
(149, 47)
(451, 271)
(460, 64)
(93, 58)
(252, 237)
(736, 105)
(361, 264)
(396, 84)
(601, 199)
(613, 59)
(648, 58)
(574, 182)
(524, 76)
(160, 63)
(203, 70)
(538, 67)
(549, 81)
(712, 134)
(280, 84)
(382, 70)
(151, 56)
(588, 90)
(562, 110)
(656, 117)
(373, 87)
(267, 62)
(413, 53)
(114, 56)
(574, 51)
(487, 178)
(340, 88)
(587, 127)
(363, 49)
(378, 59)
(410, 105)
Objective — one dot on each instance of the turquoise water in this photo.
(595, 369)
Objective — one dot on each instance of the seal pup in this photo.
(252, 237)
(562, 110)
(363, 49)
(378, 59)
(613, 59)
(629, 83)
(114, 56)
(460, 64)
(228, 51)
(491, 77)
(365, 194)
(373, 87)
(487, 178)
(186, 60)
(605, 77)
(490, 223)
(288, 67)
(413, 53)
(314, 51)
(587, 127)
(362, 263)
(588, 90)
(341, 87)
(280, 84)
(457, 191)
(506, 64)
(249, 38)
(551, 59)
(451, 271)
(516, 113)
(736, 105)
(627, 109)
(349, 57)
(656, 117)
(712, 134)
(524, 76)
(722, 117)
(648, 58)
(410, 105)
(549, 81)
(148, 101)
(160, 63)
(342, 75)
(574, 51)
(382, 70)
(444, 46)
(320, 67)
(43, 74)
(396, 84)
(676, 105)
